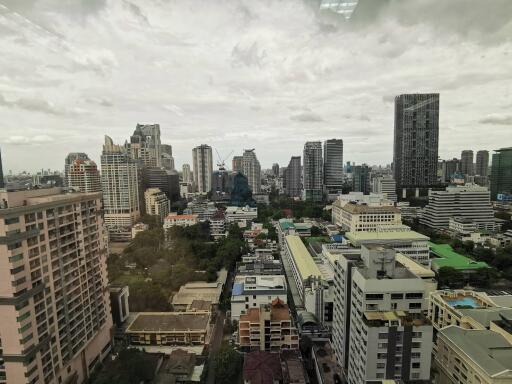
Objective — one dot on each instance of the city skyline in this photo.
(262, 83)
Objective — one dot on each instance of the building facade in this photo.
(333, 165)
(313, 180)
(145, 145)
(203, 168)
(54, 302)
(70, 159)
(466, 162)
(157, 203)
(252, 170)
(84, 176)
(482, 163)
(385, 185)
(501, 172)
(361, 175)
(292, 177)
(237, 164)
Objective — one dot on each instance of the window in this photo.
(414, 295)
(414, 305)
(12, 246)
(416, 365)
(374, 296)
(397, 296)
(11, 220)
(15, 258)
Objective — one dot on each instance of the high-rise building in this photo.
(187, 174)
(2, 183)
(121, 184)
(501, 172)
(83, 175)
(157, 203)
(482, 163)
(292, 177)
(145, 145)
(167, 158)
(168, 181)
(70, 159)
(385, 185)
(333, 165)
(466, 161)
(361, 175)
(238, 164)
(275, 170)
(416, 140)
(313, 180)
(252, 169)
(203, 168)
(55, 305)
(450, 168)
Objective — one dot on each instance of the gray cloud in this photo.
(497, 120)
(28, 140)
(307, 117)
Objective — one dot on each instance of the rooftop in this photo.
(161, 322)
(357, 237)
(198, 290)
(415, 267)
(302, 258)
(258, 283)
(262, 367)
(447, 257)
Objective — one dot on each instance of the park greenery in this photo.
(228, 364)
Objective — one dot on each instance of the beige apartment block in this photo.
(54, 306)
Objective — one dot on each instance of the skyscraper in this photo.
(275, 169)
(187, 174)
(145, 145)
(167, 159)
(292, 176)
(466, 160)
(252, 169)
(121, 186)
(237, 163)
(450, 168)
(55, 308)
(361, 179)
(2, 183)
(416, 140)
(313, 171)
(501, 172)
(482, 163)
(333, 165)
(70, 159)
(385, 185)
(83, 175)
(203, 168)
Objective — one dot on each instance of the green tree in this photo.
(228, 364)
(450, 277)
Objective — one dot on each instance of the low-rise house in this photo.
(173, 219)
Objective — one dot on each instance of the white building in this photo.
(138, 228)
(385, 185)
(174, 219)
(218, 225)
(241, 215)
(252, 170)
(84, 176)
(157, 203)
(253, 291)
(203, 168)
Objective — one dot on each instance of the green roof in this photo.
(286, 224)
(306, 266)
(358, 237)
(447, 257)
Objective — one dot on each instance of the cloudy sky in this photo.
(266, 74)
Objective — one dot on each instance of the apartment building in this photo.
(54, 302)
(218, 225)
(268, 328)
(83, 175)
(157, 203)
(174, 219)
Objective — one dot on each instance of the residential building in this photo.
(461, 225)
(70, 159)
(268, 328)
(361, 179)
(168, 181)
(416, 141)
(167, 158)
(120, 184)
(466, 161)
(204, 209)
(138, 228)
(237, 164)
(263, 263)
(333, 165)
(187, 176)
(261, 367)
(254, 291)
(199, 290)
(2, 182)
(385, 185)
(218, 225)
(203, 168)
(324, 361)
(222, 185)
(145, 145)
(55, 306)
(292, 177)
(313, 179)
(173, 219)
(252, 170)
(501, 173)
(482, 163)
(241, 215)
(119, 303)
(180, 367)
(470, 201)
(383, 333)
(83, 176)
(157, 203)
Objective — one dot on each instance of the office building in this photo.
(471, 202)
(83, 176)
(187, 176)
(333, 165)
(241, 215)
(55, 306)
(313, 171)
(275, 170)
(145, 145)
(361, 179)
(385, 185)
(252, 170)
(416, 141)
(165, 180)
(120, 184)
(466, 161)
(167, 158)
(482, 163)
(157, 203)
(379, 330)
(70, 159)
(450, 169)
(203, 168)
(2, 182)
(292, 178)
(501, 173)
(222, 185)
(237, 163)
(268, 328)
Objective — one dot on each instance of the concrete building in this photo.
(361, 178)
(416, 141)
(168, 181)
(138, 228)
(120, 184)
(313, 171)
(501, 172)
(202, 161)
(167, 158)
(383, 333)
(254, 291)
(157, 203)
(145, 145)
(83, 176)
(467, 164)
(268, 328)
(450, 169)
(292, 177)
(218, 225)
(461, 225)
(54, 301)
(333, 165)
(237, 164)
(275, 170)
(385, 185)
(70, 159)
(187, 176)
(243, 216)
(482, 163)
(119, 303)
(252, 170)
(471, 202)
(174, 219)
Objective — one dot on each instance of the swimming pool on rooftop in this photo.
(464, 302)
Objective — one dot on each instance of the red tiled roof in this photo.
(262, 367)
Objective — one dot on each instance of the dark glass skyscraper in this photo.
(466, 159)
(501, 172)
(292, 177)
(361, 179)
(416, 140)
(333, 165)
(482, 163)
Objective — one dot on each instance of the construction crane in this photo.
(222, 161)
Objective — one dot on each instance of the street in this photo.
(215, 343)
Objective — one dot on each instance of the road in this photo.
(215, 343)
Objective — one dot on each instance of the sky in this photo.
(235, 74)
